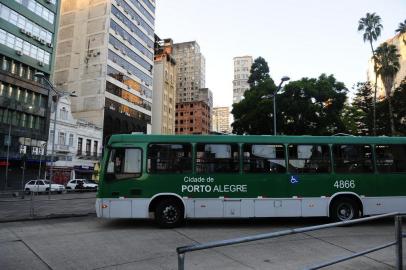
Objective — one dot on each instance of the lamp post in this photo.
(284, 79)
(55, 99)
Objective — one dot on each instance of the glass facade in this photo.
(26, 46)
(25, 24)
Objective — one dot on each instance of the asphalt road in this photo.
(91, 243)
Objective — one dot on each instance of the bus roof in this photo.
(142, 138)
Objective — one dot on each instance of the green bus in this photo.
(170, 177)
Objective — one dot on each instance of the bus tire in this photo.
(169, 213)
(344, 209)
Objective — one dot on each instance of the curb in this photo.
(52, 216)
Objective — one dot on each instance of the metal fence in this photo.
(18, 205)
(181, 251)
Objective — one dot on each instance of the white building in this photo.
(242, 68)
(78, 145)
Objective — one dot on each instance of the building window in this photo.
(80, 145)
(62, 138)
(88, 146)
(63, 114)
(70, 139)
(95, 147)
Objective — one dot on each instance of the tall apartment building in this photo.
(242, 68)
(399, 42)
(27, 39)
(164, 97)
(190, 90)
(105, 53)
(221, 120)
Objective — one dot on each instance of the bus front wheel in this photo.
(344, 209)
(169, 213)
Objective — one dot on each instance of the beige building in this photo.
(242, 68)
(190, 88)
(400, 42)
(221, 120)
(105, 53)
(164, 97)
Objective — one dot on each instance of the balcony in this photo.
(62, 148)
(88, 155)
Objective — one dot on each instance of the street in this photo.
(92, 243)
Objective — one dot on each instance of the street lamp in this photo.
(55, 98)
(284, 79)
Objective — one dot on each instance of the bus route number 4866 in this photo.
(342, 184)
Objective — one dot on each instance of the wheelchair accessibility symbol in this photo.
(294, 179)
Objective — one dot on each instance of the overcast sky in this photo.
(298, 38)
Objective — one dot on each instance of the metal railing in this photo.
(181, 251)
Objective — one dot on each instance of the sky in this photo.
(298, 38)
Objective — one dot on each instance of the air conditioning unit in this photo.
(49, 44)
(48, 1)
(41, 64)
(123, 52)
(129, 72)
(18, 52)
(22, 30)
(42, 41)
(36, 38)
(115, 47)
(28, 34)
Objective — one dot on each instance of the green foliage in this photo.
(259, 72)
(362, 110)
(305, 107)
(312, 106)
(402, 28)
(371, 25)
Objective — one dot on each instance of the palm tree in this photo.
(387, 63)
(401, 30)
(371, 25)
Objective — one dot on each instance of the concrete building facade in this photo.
(191, 90)
(242, 68)
(78, 145)
(164, 89)
(221, 120)
(400, 42)
(27, 45)
(105, 53)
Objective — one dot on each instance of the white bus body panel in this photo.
(382, 205)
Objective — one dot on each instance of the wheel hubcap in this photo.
(170, 214)
(345, 211)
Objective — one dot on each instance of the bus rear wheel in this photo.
(344, 209)
(169, 213)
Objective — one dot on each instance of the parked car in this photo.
(81, 184)
(42, 186)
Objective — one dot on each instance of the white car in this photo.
(42, 186)
(81, 184)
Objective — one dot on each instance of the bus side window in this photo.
(352, 158)
(170, 158)
(264, 158)
(125, 163)
(390, 158)
(223, 158)
(313, 158)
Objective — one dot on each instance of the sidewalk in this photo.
(27, 207)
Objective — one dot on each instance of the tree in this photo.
(259, 72)
(312, 106)
(362, 106)
(305, 107)
(251, 115)
(387, 63)
(371, 25)
(401, 30)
